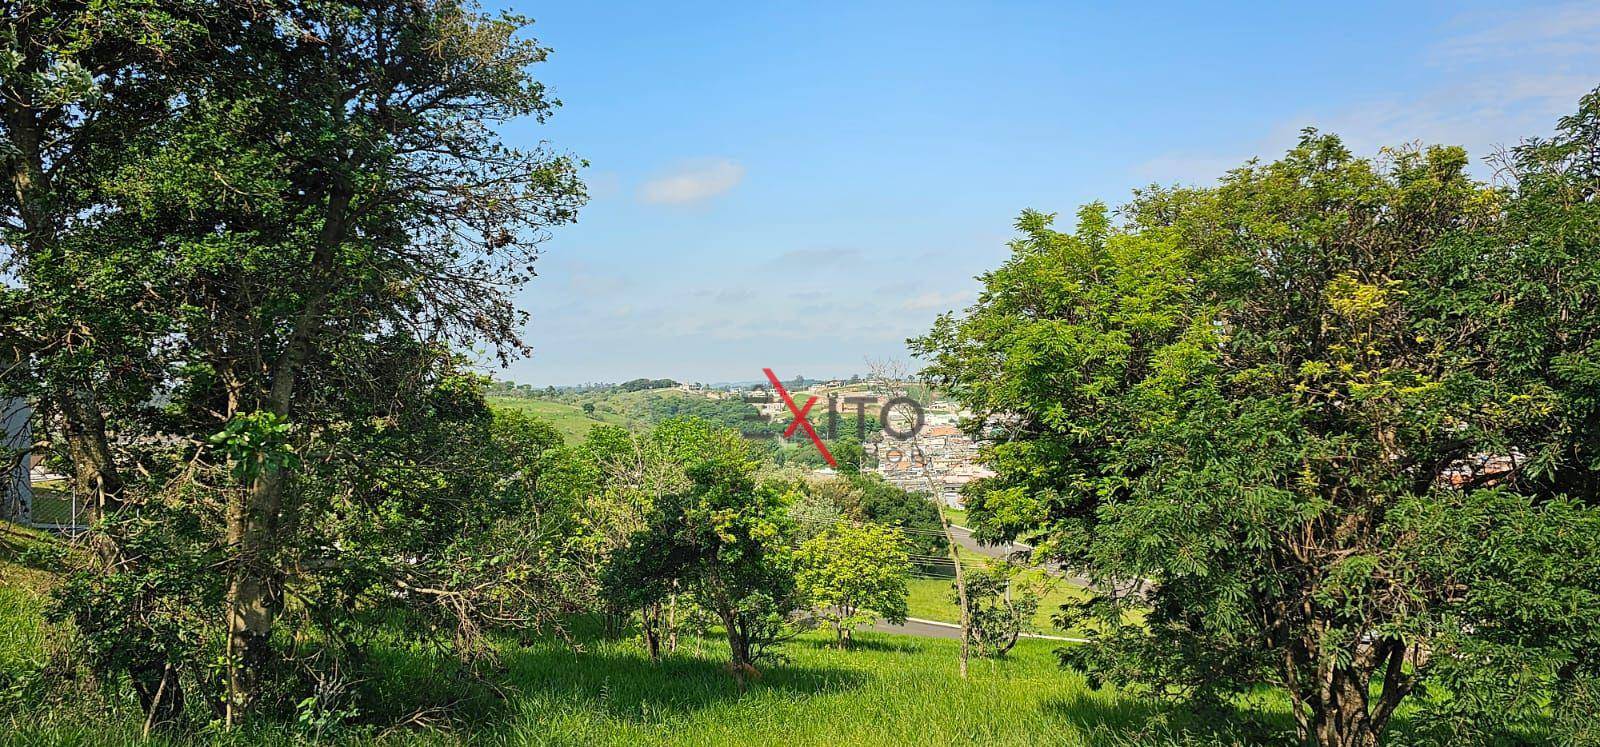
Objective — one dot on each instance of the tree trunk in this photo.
(160, 694)
(253, 516)
(94, 469)
(650, 618)
(1337, 714)
(672, 623)
(738, 647)
(253, 601)
(961, 580)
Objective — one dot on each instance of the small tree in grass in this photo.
(998, 609)
(851, 576)
(727, 542)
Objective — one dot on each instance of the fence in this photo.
(56, 507)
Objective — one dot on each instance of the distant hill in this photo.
(570, 420)
(636, 410)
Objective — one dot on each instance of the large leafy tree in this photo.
(1271, 412)
(363, 194)
(287, 216)
(82, 325)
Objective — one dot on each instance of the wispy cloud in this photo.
(936, 300)
(1501, 77)
(1563, 31)
(693, 182)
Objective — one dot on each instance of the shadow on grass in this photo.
(866, 640)
(30, 549)
(1129, 720)
(625, 684)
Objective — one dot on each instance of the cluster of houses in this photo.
(941, 458)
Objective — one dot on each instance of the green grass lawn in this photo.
(930, 599)
(957, 516)
(570, 420)
(888, 690)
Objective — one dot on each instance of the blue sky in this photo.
(804, 185)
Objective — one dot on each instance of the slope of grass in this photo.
(930, 599)
(29, 561)
(889, 690)
(570, 420)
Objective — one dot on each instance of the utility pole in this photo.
(883, 371)
(961, 580)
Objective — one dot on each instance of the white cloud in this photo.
(1501, 77)
(936, 300)
(693, 182)
(1563, 31)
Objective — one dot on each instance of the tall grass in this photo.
(888, 690)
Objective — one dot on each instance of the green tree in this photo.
(854, 575)
(812, 512)
(80, 334)
(998, 611)
(361, 151)
(723, 539)
(849, 455)
(1254, 398)
(292, 235)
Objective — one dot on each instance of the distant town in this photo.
(939, 460)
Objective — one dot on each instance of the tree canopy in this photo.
(1277, 412)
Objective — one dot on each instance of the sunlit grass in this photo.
(570, 420)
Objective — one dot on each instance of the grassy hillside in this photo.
(633, 410)
(889, 690)
(570, 420)
(929, 599)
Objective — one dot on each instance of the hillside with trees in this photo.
(1310, 455)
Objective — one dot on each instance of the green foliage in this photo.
(1243, 399)
(999, 607)
(850, 456)
(854, 575)
(637, 385)
(246, 239)
(870, 498)
(255, 441)
(721, 537)
(812, 512)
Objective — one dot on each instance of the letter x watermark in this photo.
(800, 419)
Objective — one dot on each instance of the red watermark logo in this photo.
(802, 421)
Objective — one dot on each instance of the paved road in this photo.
(1013, 550)
(918, 628)
(935, 629)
